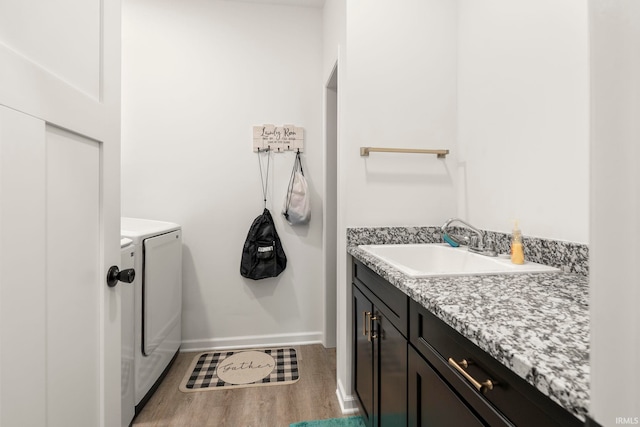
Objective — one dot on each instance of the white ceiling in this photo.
(301, 3)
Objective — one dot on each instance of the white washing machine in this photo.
(157, 300)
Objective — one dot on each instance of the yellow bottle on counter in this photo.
(517, 250)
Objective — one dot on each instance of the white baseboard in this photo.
(249, 341)
(348, 404)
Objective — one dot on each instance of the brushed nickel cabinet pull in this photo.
(371, 319)
(486, 385)
(365, 315)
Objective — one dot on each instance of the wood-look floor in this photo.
(312, 397)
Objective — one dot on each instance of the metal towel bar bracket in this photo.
(364, 151)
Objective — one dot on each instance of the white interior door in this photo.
(59, 212)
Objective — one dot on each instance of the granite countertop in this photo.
(537, 325)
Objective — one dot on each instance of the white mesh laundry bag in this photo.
(297, 203)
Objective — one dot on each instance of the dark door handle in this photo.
(114, 275)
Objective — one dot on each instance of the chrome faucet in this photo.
(477, 243)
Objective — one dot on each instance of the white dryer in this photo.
(128, 335)
(157, 300)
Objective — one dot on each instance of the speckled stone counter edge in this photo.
(569, 257)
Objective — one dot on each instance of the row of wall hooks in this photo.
(278, 138)
(264, 150)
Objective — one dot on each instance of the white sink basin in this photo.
(434, 259)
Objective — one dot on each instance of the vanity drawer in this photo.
(511, 396)
(391, 301)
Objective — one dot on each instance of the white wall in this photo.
(523, 116)
(615, 204)
(197, 75)
(334, 35)
(400, 92)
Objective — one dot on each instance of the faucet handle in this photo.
(489, 243)
(488, 247)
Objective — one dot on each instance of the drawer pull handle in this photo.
(486, 385)
(371, 319)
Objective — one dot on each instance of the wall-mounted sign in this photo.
(278, 138)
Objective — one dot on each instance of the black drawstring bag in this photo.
(262, 254)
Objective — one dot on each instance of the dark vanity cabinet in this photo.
(431, 401)
(489, 390)
(380, 316)
(412, 369)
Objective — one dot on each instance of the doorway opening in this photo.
(330, 207)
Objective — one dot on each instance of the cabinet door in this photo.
(393, 373)
(363, 356)
(431, 402)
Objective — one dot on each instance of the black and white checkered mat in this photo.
(203, 372)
